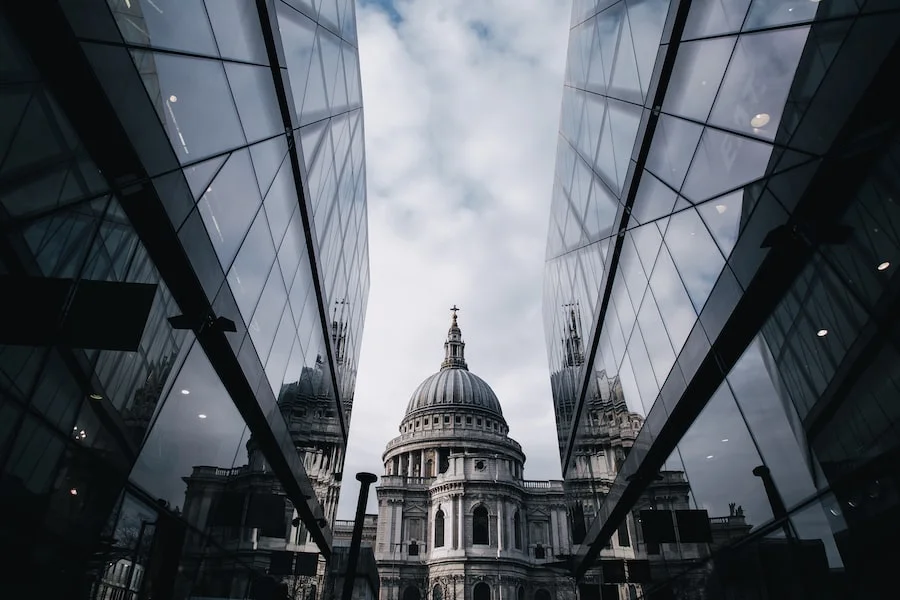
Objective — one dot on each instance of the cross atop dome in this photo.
(454, 347)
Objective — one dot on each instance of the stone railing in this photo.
(542, 485)
(459, 434)
(403, 480)
(206, 471)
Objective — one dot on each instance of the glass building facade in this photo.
(720, 297)
(183, 282)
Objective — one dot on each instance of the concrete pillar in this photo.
(460, 524)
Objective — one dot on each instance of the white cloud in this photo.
(462, 106)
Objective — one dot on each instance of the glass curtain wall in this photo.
(197, 158)
(696, 373)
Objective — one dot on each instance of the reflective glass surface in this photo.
(789, 435)
(219, 195)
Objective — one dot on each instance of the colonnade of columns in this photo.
(414, 463)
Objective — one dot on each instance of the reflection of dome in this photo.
(454, 385)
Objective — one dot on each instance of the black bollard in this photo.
(365, 479)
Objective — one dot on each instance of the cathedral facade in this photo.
(456, 518)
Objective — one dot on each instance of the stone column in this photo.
(554, 529)
(421, 463)
(449, 521)
(461, 524)
(398, 522)
(500, 525)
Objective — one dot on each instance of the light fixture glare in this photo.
(822, 332)
(185, 392)
(760, 120)
(173, 98)
(884, 266)
(201, 416)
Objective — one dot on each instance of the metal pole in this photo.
(365, 480)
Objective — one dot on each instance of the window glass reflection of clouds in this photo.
(724, 162)
(757, 81)
(194, 102)
(719, 457)
(173, 24)
(200, 428)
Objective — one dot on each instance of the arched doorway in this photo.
(482, 591)
(436, 593)
(542, 595)
(411, 593)
(520, 593)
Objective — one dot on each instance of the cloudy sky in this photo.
(461, 104)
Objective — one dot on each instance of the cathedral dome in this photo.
(454, 385)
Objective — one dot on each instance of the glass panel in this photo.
(247, 275)
(197, 426)
(229, 204)
(281, 202)
(268, 314)
(200, 175)
(711, 17)
(625, 81)
(699, 68)
(254, 94)
(236, 26)
(193, 101)
(175, 24)
(723, 217)
(659, 350)
(267, 159)
(298, 35)
(723, 163)
(758, 80)
(695, 254)
(625, 119)
(769, 13)
(673, 301)
(647, 18)
(315, 101)
(653, 200)
(720, 457)
(673, 149)
(773, 422)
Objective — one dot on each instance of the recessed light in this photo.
(96, 397)
(201, 416)
(760, 120)
(822, 332)
(173, 98)
(185, 392)
(73, 491)
(790, 10)
(724, 439)
(721, 208)
(710, 457)
(884, 266)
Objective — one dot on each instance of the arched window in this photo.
(436, 593)
(632, 592)
(542, 595)
(482, 591)
(517, 530)
(480, 526)
(520, 593)
(411, 593)
(439, 529)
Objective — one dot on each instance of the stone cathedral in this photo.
(456, 519)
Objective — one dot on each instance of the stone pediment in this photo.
(414, 509)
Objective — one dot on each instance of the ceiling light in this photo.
(73, 491)
(724, 439)
(201, 416)
(710, 457)
(96, 397)
(884, 266)
(760, 120)
(721, 208)
(173, 98)
(185, 392)
(822, 332)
